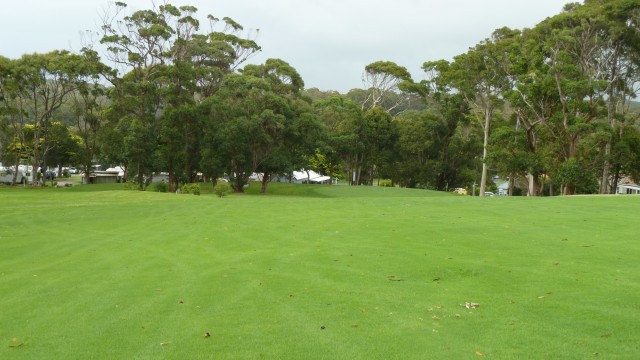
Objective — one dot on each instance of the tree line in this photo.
(549, 108)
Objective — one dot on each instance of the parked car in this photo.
(50, 175)
(73, 170)
(489, 193)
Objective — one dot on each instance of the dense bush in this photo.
(191, 189)
(385, 183)
(222, 189)
(161, 186)
(129, 185)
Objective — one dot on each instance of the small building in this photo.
(103, 177)
(503, 189)
(117, 169)
(160, 177)
(628, 189)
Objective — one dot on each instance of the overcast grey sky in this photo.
(329, 42)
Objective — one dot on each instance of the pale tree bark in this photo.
(487, 126)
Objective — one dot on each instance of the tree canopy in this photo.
(549, 109)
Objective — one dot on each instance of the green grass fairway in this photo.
(323, 273)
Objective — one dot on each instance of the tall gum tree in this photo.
(44, 82)
(618, 56)
(572, 47)
(175, 65)
(256, 122)
(479, 75)
(338, 115)
(532, 100)
(381, 79)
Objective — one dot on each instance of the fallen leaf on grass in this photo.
(207, 334)
(471, 305)
(165, 343)
(15, 342)
(480, 353)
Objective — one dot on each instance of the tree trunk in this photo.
(512, 184)
(265, 181)
(173, 183)
(604, 184)
(87, 172)
(531, 189)
(487, 125)
(35, 170)
(616, 178)
(534, 185)
(16, 169)
(140, 178)
(569, 190)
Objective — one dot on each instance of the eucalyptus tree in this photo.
(169, 66)
(617, 55)
(480, 77)
(625, 154)
(42, 84)
(301, 131)
(533, 101)
(421, 141)
(88, 105)
(570, 74)
(458, 141)
(65, 147)
(12, 137)
(341, 119)
(383, 80)
(381, 139)
(578, 68)
(256, 122)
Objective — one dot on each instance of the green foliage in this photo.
(255, 123)
(130, 185)
(385, 182)
(192, 188)
(551, 99)
(573, 175)
(222, 189)
(160, 186)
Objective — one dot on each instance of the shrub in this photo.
(131, 186)
(222, 188)
(161, 186)
(191, 189)
(385, 182)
